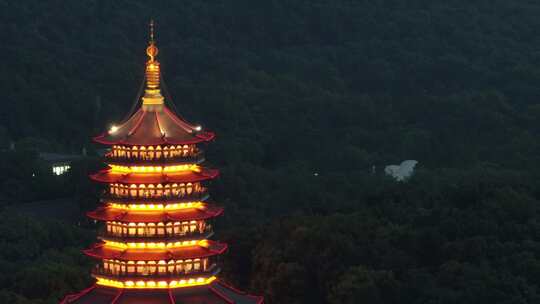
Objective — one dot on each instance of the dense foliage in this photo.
(311, 99)
(40, 259)
(445, 237)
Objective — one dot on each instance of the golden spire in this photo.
(152, 30)
(152, 93)
(152, 49)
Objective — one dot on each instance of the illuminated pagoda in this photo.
(155, 245)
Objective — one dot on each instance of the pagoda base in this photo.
(213, 293)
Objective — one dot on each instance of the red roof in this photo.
(107, 176)
(112, 214)
(154, 125)
(214, 293)
(180, 253)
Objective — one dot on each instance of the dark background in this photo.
(310, 100)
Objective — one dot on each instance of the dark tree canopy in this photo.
(310, 100)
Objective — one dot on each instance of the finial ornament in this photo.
(152, 49)
(152, 94)
(151, 30)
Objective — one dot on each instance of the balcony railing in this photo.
(153, 271)
(158, 233)
(200, 195)
(155, 159)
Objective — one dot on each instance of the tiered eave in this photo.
(109, 176)
(156, 125)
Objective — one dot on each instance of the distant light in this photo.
(315, 174)
(113, 129)
(59, 170)
(198, 128)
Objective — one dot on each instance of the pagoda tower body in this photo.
(155, 246)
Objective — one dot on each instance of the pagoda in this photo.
(155, 245)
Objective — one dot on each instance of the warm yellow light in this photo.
(168, 207)
(113, 129)
(203, 243)
(142, 284)
(163, 284)
(154, 169)
(159, 245)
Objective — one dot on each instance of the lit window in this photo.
(59, 170)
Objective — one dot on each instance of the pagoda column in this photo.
(155, 214)
(155, 245)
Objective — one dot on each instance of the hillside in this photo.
(293, 88)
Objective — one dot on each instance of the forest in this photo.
(310, 100)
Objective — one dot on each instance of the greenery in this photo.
(444, 237)
(310, 100)
(41, 260)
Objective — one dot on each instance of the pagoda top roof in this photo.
(101, 251)
(216, 292)
(154, 125)
(108, 176)
(191, 214)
